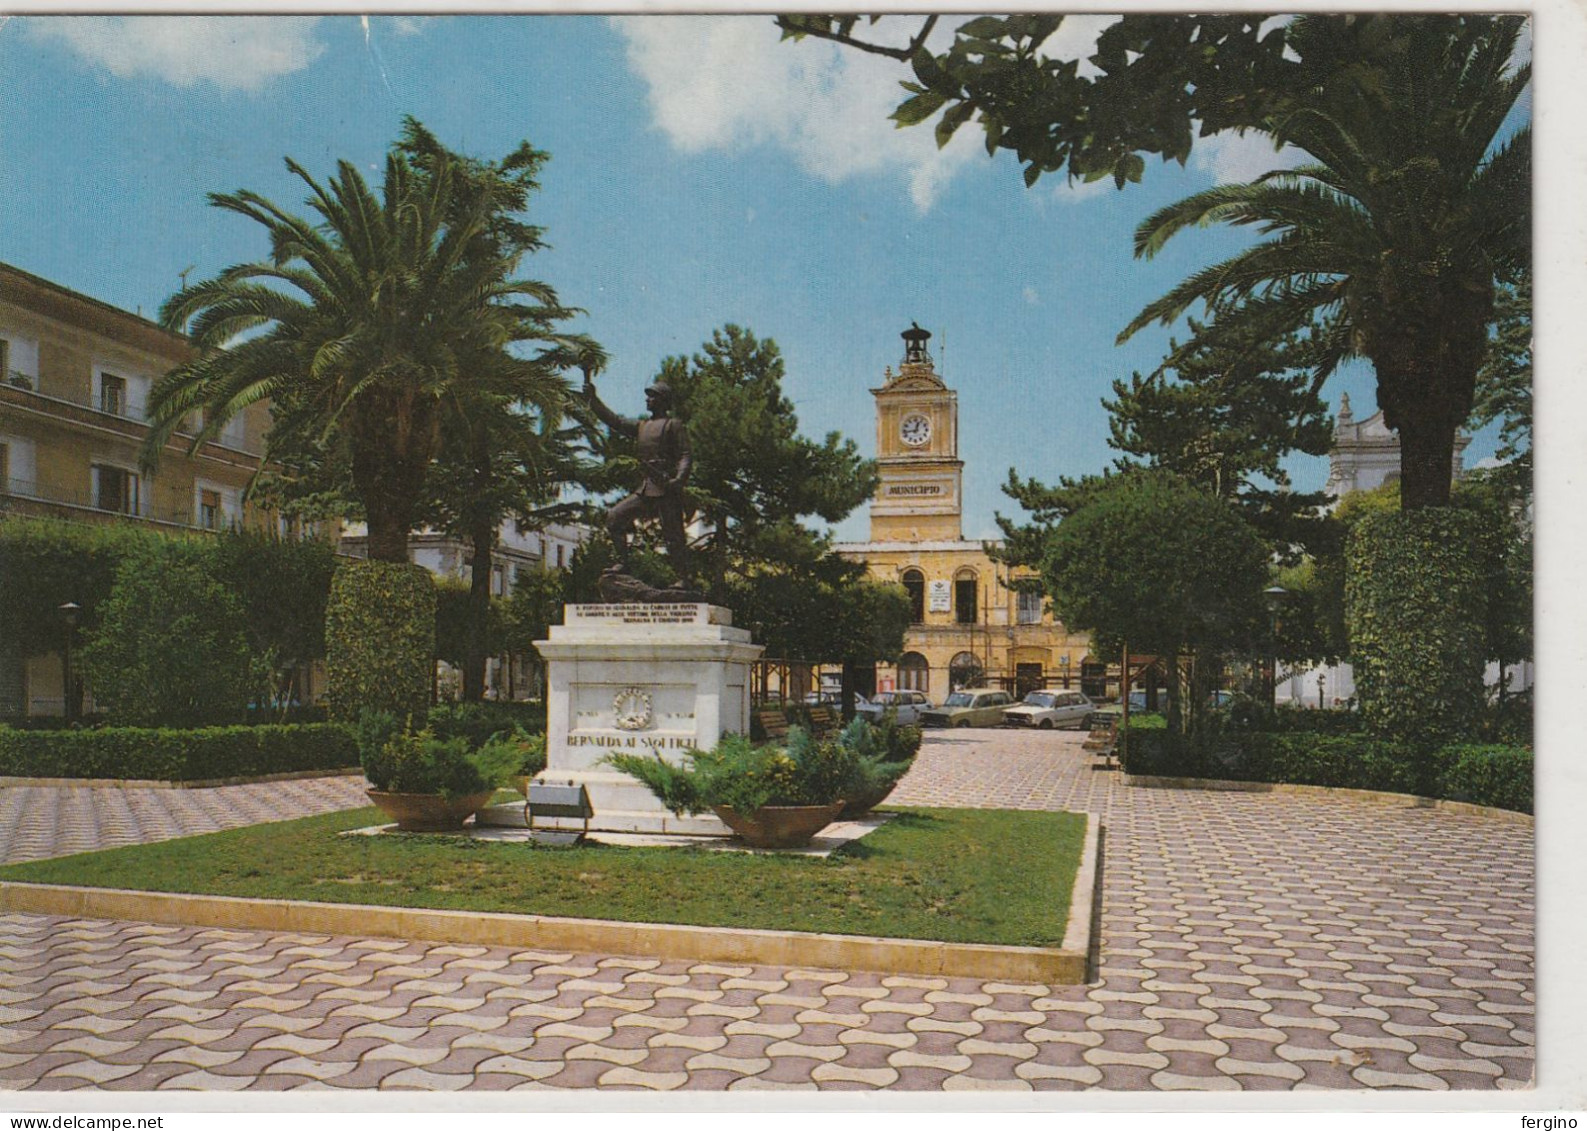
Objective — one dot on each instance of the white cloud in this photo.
(409, 25)
(1076, 38)
(1066, 191)
(720, 82)
(231, 52)
(1031, 296)
(1233, 159)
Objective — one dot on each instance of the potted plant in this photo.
(886, 752)
(771, 795)
(424, 783)
(511, 757)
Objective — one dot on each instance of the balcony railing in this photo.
(118, 406)
(59, 495)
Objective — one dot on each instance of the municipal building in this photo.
(969, 626)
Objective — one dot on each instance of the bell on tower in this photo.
(915, 340)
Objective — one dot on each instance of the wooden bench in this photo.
(772, 723)
(824, 720)
(1103, 741)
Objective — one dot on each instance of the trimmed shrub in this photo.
(1488, 775)
(45, 563)
(1500, 776)
(282, 587)
(172, 646)
(898, 743)
(1340, 761)
(1306, 720)
(1508, 721)
(373, 730)
(423, 763)
(168, 754)
(380, 639)
(1414, 598)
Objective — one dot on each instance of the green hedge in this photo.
(1488, 775)
(480, 722)
(1500, 776)
(172, 645)
(164, 754)
(380, 640)
(1415, 601)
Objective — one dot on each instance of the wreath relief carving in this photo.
(631, 709)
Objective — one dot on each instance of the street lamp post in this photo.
(69, 613)
(1274, 596)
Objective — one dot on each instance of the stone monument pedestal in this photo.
(638, 678)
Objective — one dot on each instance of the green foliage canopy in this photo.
(172, 645)
(1391, 237)
(1154, 561)
(755, 478)
(1223, 411)
(360, 327)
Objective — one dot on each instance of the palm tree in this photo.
(503, 451)
(1393, 236)
(359, 328)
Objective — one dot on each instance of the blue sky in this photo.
(701, 173)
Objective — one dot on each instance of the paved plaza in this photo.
(1276, 940)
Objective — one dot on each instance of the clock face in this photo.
(915, 429)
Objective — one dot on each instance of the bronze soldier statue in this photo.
(665, 461)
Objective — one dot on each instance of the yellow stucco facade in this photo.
(75, 376)
(76, 379)
(970, 625)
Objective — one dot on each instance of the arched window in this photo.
(915, 586)
(965, 586)
(964, 670)
(913, 672)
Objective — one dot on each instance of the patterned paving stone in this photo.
(1249, 942)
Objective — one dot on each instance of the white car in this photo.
(1045, 709)
(909, 705)
(970, 707)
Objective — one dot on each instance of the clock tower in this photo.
(917, 450)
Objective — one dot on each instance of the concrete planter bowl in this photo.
(429, 812)
(779, 826)
(864, 804)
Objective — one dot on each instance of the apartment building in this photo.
(75, 377)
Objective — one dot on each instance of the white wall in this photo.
(19, 460)
(24, 354)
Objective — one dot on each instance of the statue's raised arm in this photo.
(615, 421)
(665, 462)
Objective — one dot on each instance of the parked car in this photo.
(970, 707)
(1100, 716)
(1046, 709)
(1105, 713)
(909, 706)
(833, 699)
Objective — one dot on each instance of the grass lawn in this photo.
(960, 875)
